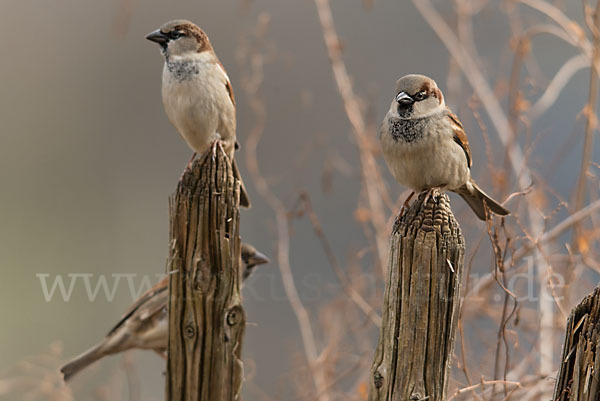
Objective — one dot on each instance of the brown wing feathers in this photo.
(460, 137)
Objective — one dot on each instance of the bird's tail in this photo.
(244, 199)
(82, 361)
(475, 198)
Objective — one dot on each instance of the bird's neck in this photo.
(186, 67)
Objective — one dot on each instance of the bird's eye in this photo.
(420, 96)
(176, 34)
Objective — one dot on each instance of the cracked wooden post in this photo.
(421, 304)
(579, 374)
(206, 318)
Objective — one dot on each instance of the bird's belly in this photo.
(156, 337)
(427, 163)
(193, 113)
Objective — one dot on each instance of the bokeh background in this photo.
(88, 160)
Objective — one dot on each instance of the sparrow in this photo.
(425, 145)
(196, 92)
(145, 325)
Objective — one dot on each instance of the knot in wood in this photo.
(199, 262)
(233, 317)
(190, 330)
(201, 273)
(378, 380)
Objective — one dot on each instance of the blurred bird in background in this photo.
(145, 325)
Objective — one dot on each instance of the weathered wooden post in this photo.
(579, 374)
(421, 304)
(206, 318)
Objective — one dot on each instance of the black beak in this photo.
(258, 258)
(404, 99)
(251, 261)
(158, 37)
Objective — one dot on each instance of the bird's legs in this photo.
(189, 164)
(432, 193)
(405, 204)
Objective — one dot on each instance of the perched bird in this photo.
(196, 91)
(145, 324)
(425, 145)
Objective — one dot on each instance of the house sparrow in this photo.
(425, 145)
(145, 325)
(196, 91)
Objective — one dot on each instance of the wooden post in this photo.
(579, 374)
(421, 304)
(206, 318)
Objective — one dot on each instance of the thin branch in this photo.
(371, 176)
(252, 88)
(548, 236)
(558, 229)
(558, 83)
(354, 295)
(568, 25)
(590, 126)
(481, 385)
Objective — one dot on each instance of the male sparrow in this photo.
(425, 145)
(145, 325)
(196, 91)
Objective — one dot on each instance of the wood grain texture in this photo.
(579, 374)
(421, 304)
(206, 318)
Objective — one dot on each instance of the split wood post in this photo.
(579, 374)
(206, 318)
(421, 304)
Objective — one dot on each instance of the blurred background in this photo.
(88, 160)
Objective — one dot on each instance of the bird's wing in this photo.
(460, 136)
(227, 82)
(147, 304)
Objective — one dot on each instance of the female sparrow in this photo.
(196, 91)
(425, 145)
(145, 325)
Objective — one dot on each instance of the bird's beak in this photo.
(158, 37)
(258, 258)
(404, 99)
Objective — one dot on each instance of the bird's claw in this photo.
(189, 164)
(405, 205)
(432, 193)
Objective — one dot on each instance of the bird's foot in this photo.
(432, 193)
(214, 148)
(189, 164)
(405, 204)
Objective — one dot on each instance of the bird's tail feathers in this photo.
(82, 361)
(475, 198)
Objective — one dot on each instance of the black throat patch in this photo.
(183, 70)
(407, 130)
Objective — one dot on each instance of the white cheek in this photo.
(170, 48)
(427, 108)
(393, 111)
